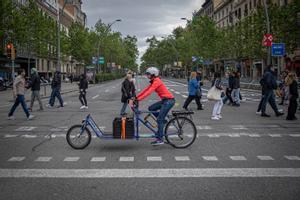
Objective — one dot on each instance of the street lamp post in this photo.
(185, 67)
(268, 30)
(106, 31)
(177, 53)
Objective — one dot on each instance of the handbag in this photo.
(214, 94)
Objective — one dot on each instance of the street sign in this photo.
(278, 49)
(94, 60)
(101, 60)
(268, 39)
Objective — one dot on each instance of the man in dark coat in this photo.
(35, 84)
(56, 86)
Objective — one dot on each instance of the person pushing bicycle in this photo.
(164, 105)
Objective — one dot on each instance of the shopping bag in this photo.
(214, 94)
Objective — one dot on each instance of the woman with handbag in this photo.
(215, 94)
(194, 92)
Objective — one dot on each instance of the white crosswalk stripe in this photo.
(292, 157)
(238, 158)
(182, 158)
(98, 159)
(10, 136)
(126, 159)
(265, 158)
(43, 159)
(154, 158)
(204, 127)
(26, 128)
(275, 135)
(71, 159)
(210, 158)
(16, 159)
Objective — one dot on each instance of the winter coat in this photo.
(35, 82)
(236, 83)
(293, 90)
(193, 87)
(83, 84)
(56, 82)
(128, 90)
(268, 81)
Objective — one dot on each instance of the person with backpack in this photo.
(83, 86)
(128, 91)
(35, 85)
(194, 90)
(269, 84)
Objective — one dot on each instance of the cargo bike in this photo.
(180, 130)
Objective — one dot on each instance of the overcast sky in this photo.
(142, 18)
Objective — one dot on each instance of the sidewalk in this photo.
(45, 92)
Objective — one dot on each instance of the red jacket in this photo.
(159, 87)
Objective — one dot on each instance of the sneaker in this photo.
(11, 117)
(49, 106)
(215, 118)
(219, 116)
(265, 115)
(279, 114)
(258, 112)
(86, 107)
(30, 117)
(82, 107)
(157, 142)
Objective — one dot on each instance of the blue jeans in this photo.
(164, 106)
(19, 99)
(56, 93)
(236, 95)
(124, 108)
(269, 96)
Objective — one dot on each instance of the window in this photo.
(250, 5)
(246, 10)
(254, 3)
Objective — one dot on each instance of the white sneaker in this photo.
(215, 118)
(82, 107)
(49, 106)
(11, 118)
(86, 107)
(219, 116)
(30, 117)
(258, 113)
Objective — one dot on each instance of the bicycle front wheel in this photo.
(180, 132)
(78, 138)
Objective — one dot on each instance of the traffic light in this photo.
(11, 51)
(9, 48)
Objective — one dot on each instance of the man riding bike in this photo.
(164, 105)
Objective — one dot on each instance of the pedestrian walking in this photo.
(35, 85)
(217, 83)
(128, 91)
(269, 84)
(228, 90)
(291, 81)
(56, 87)
(236, 89)
(19, 96)
(194, 92)
(83, 86)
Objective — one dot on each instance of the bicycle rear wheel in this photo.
(180, 132)
(78, 138)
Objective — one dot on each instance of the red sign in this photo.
(268, 39)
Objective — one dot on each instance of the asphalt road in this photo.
(242, 156)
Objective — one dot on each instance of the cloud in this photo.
(142, 18)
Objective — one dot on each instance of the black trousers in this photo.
(82, 98)
(292, 108)
(190, 99)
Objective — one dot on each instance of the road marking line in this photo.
(154, 158)
(204, 127)
(275, 135)
(9, 136)
(94, 97)
(150, 173)
(98, 159)
(177, 92)
(71, 159)
(29, 136)
(210, 158)
(26, 128)
(237, 158)
(43, 159)
(16, 159)
(182, 158)
(294, 135)
(234, 135)
(265, 158)
(292, 157)
(184, 96)
(238, 127)
(126, 159)
(58, 135)
(106, 90)
(213, 135)
(254, 135)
